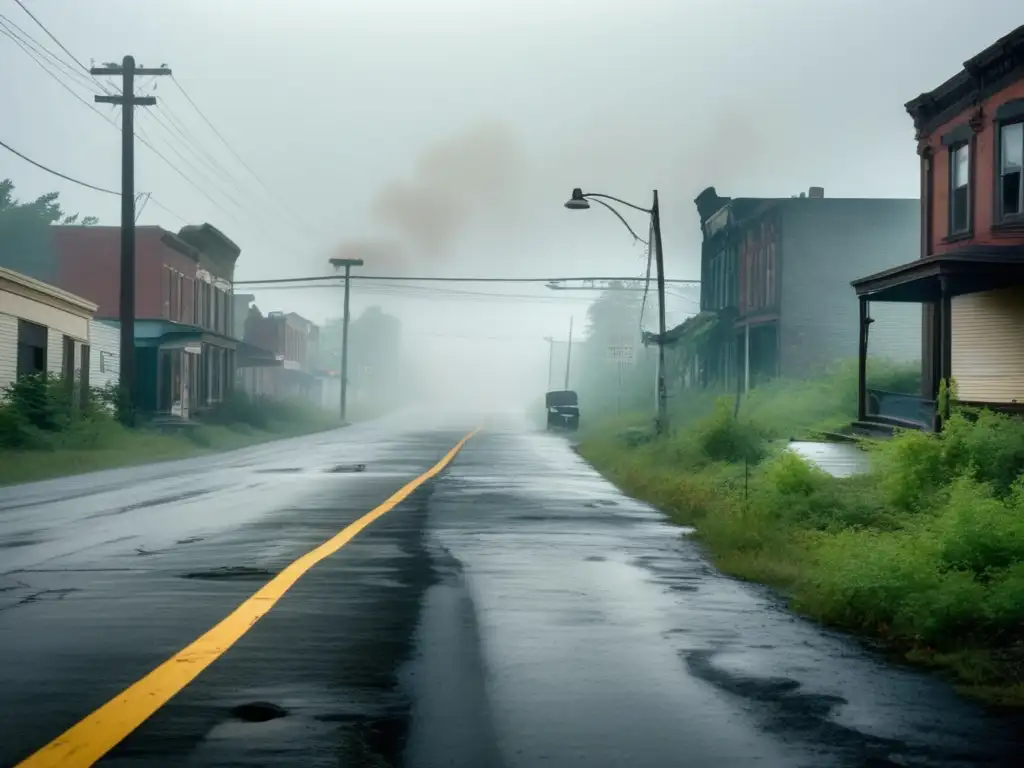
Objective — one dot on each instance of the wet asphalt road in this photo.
(516, 611)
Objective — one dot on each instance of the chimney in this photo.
(816, 192)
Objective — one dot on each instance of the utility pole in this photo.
(128, 101)
(661, 425)
(568, 355)
(551, 358)
(347, 264)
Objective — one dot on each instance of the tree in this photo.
(24, 231)
(614, 320)
(374, 351)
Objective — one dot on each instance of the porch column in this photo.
(946, 329)
(945, 340)
(862, 362)
(746, 358)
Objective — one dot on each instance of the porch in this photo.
(182, 370)
(972, 331)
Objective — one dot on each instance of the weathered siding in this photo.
(8, 350)
(105, 355)
(826, 244)
(988, 346)
(41, 313)
(54, 351)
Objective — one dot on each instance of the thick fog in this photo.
(442, 139)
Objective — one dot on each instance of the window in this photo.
(1011, 168)
(959, 197)
(103, 362)
(31, 348)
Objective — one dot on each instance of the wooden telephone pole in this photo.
(347, 264)
(127, 99)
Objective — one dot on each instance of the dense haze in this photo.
(442, 139)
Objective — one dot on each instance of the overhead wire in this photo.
(37, 51)
(51, 35)
(12, 30)
(441, 279)
(64, 176)
(231, 149)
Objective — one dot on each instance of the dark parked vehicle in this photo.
(563, 411)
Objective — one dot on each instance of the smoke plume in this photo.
(456, 182)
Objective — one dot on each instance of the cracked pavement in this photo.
(515, 611)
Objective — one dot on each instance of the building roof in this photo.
(999, 65)
(211, 241)
(44, 292)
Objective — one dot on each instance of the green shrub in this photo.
(721, 437)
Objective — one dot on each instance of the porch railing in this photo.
(900, 407)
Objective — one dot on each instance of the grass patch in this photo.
(925, 552)
(43, 435)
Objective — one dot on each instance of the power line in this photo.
(57, 173)
(647, 280)
(425, 292)
(19, 35)
(50, 35)
(231, 149)
(403, 278)
(41, 63)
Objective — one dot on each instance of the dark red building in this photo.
(183, 305)
(970, 274)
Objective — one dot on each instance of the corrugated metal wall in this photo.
(988, 346)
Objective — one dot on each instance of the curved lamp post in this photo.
(580, 201)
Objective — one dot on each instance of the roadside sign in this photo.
(622, 353)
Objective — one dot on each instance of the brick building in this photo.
(775, 275)
(969, 276)
(183, 305)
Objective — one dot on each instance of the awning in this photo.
(966, 270)
(250, 356)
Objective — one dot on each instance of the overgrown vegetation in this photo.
(925, 551)
(46, 429)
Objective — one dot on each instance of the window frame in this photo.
(1006, 114)
(1001, 217)
(960, 137)
(951, 229)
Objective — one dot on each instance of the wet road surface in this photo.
(515, 611)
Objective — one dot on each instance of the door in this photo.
(186, 384)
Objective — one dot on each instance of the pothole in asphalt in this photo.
(258, 712)
(230, 572)
(339, 468)
(189, 540)
(279, 471)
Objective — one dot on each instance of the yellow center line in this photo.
(91, 738)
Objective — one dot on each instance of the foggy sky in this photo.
(337, 105)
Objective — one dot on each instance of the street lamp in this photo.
(347, 264)
(580, 201)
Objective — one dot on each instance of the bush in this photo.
(722, 437)
(926, 550)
